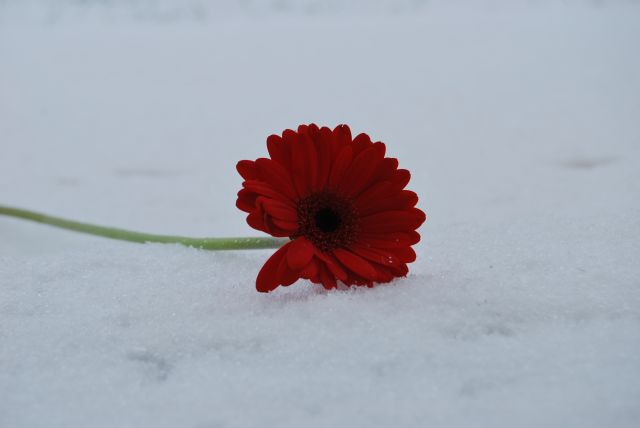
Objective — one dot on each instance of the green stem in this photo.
(127, 235)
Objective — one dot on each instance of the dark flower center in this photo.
(327, 220)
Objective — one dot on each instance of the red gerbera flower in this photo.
(340, 201)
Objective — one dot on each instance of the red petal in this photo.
(403, 200)
(300, 253)
(327, 279)
(384, 274)
(290, 136)
(278, 209)
(384, 258)
(311, 130)
(247, 169)
(287, 226)
(390, 240)
(311, 162)
(265, 189)
(256, 220)
(340, 166)
(394, 220)
(311, 270)
(360, 172)
(285, 275)
(378, 191)
(401, 178)
(386, 169)
(323, 150)
(414, 237)
(406, 254)
(278, 177)
(356, 264)
(299, 169)
(333, 265)
(272, 228)
(246, 200)
(401, 270)
(278, 150)
(267, 279)
(329, 140)
(361, 142)
(342, 133)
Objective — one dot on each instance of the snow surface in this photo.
(519, 121)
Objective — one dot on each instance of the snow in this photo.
(519, 122)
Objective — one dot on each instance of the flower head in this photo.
(340, 201)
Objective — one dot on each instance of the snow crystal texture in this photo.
(518, 120)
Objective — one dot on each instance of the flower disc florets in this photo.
(327, 221)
